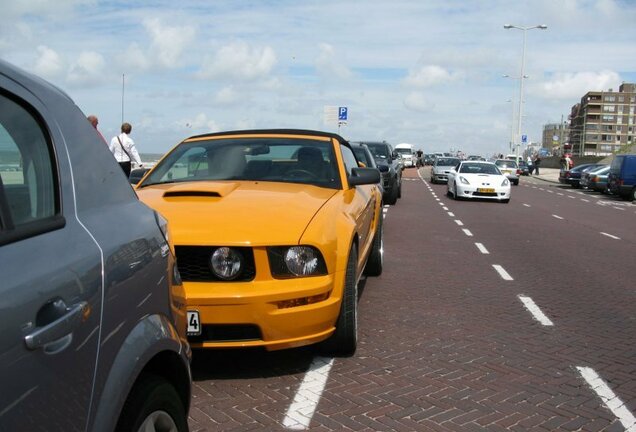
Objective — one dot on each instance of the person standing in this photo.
(124, 150)
(537, 163)
(93, 120)
(530, 165)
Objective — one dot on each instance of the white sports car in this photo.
(477, 179)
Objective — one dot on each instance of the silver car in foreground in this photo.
(92, 328)
(509, 168)
(441, 167)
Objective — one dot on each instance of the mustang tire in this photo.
(376, 256)
(345, 339)
(153, 404)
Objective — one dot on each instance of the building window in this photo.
(632, 99)
(610, 98)
(621, 98)
(608, 118)
(609, 108)
(619, 128)
(631, 110)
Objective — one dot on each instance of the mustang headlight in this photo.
(506, 182)
(226, 263)
(463, 180)
(296, 261)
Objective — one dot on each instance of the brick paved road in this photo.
(446, 343)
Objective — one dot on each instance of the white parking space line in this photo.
(467, 232)
(308, 395)
(557, 216)
(458, 222)
(482, 248)
(610, 236)
(535, 311)
(609, 398)
(527, 205)
(502, 272)
(451, 214)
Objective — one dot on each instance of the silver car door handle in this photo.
(57, 329)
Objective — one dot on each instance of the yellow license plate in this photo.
(486, 190)
(506, 171)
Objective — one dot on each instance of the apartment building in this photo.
(554, 136)
(603, 121)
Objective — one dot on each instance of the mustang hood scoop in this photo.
(191, 193)
(201, 190)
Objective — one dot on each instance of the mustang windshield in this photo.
(252, 159)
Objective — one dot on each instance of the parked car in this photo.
(272, 231)
(92, 335)
(137, 174)
(389, 164)
(363, 154)
(477, 179)
(429, 158)
(572, 176)
(407, 154)
(523, 169)
(441, 167)
(509, 167)
(587, 176)
(622, 176)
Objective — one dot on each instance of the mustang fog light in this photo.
(226, 263)
(301, 260)
(303, 301)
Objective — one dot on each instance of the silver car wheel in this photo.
(158, 421)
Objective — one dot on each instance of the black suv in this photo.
(390, 166)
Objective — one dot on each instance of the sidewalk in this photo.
(547, 174)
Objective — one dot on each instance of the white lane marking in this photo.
(584, 200)
(451, 214)
(386, 206)
(542, 189)
(556, 216)
(308, 395)
(559, 193)
(527, 205)
(618, 208)
(535, 311)
(482, 248)
(458, 222)
(437, 199)
(610, 236)
(445, 208)
(467, 232)
(441, 203)
(609, 398)
(550, 191)
(570, 196)
(502, 272)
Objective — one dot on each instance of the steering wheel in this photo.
(301, 173)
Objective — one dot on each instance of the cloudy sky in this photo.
(427, 72)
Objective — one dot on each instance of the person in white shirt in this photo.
(124, 150)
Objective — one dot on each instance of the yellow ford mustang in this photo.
(272, 230)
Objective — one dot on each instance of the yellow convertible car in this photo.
(272, 230)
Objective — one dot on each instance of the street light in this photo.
(523, 65)
(512, 120)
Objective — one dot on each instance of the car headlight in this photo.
(463, 180)
(296, 261)
(506, 182)
(226, 263)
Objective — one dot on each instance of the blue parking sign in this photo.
(524, 138)
(342, 113)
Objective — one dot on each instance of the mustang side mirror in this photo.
(363, 176)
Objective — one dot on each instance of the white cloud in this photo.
(89, 68)
(239, 61)
(575, 85)
(429, 76)
(227, 95)
(328, 66)
(135, 59)
(168, 43)
(416, 101)
(49, 64)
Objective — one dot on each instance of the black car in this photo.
(390, 166)
(363, 154)
(573, 176)
(137, 174)
(523, 168)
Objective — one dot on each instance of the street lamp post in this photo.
(523, 65)
(512, 121)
